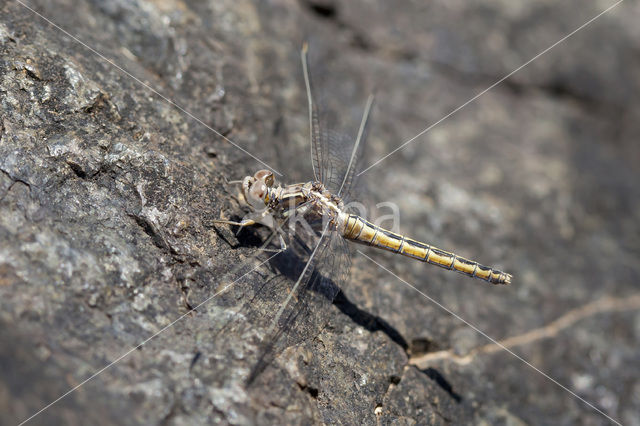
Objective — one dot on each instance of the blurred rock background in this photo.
(108, 192)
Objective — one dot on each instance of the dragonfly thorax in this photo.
(310, 198)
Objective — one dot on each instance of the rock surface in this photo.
(108, 193)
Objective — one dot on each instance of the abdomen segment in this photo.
(359, 230)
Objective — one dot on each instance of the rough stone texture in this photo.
(107, 195)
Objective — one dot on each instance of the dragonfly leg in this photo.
(231, 182)
(282, 248)
(231, 222)
(277, 230)
(263, 217)
(283, 245)
(245, 222)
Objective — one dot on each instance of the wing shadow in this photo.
(304, 319)
(291, 266)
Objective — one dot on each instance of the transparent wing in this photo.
(289, 305)
(341, 161)
(334, 266)
(335, 153)
(317, 154)
(257, 303)
(355, 161)
(304, 314)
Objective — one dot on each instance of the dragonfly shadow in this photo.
(304, 315)
(292, 267)
(439, 379)
(371, 323)
(307, 316)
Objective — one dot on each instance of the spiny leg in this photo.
(283, 246)
(251, 219)
(276, 228)
(231, 222)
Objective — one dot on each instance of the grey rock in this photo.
(111, 177)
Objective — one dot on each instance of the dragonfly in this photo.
(312, 218)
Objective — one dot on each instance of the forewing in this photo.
(337, 147)
(317, 154)
(339, 178)
(333, 136)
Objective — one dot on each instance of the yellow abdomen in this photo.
(359, 230)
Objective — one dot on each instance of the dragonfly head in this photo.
(256, 188)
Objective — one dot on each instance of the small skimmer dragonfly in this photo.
(318, 225)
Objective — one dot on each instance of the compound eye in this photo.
(266, 176)
(257, 194)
